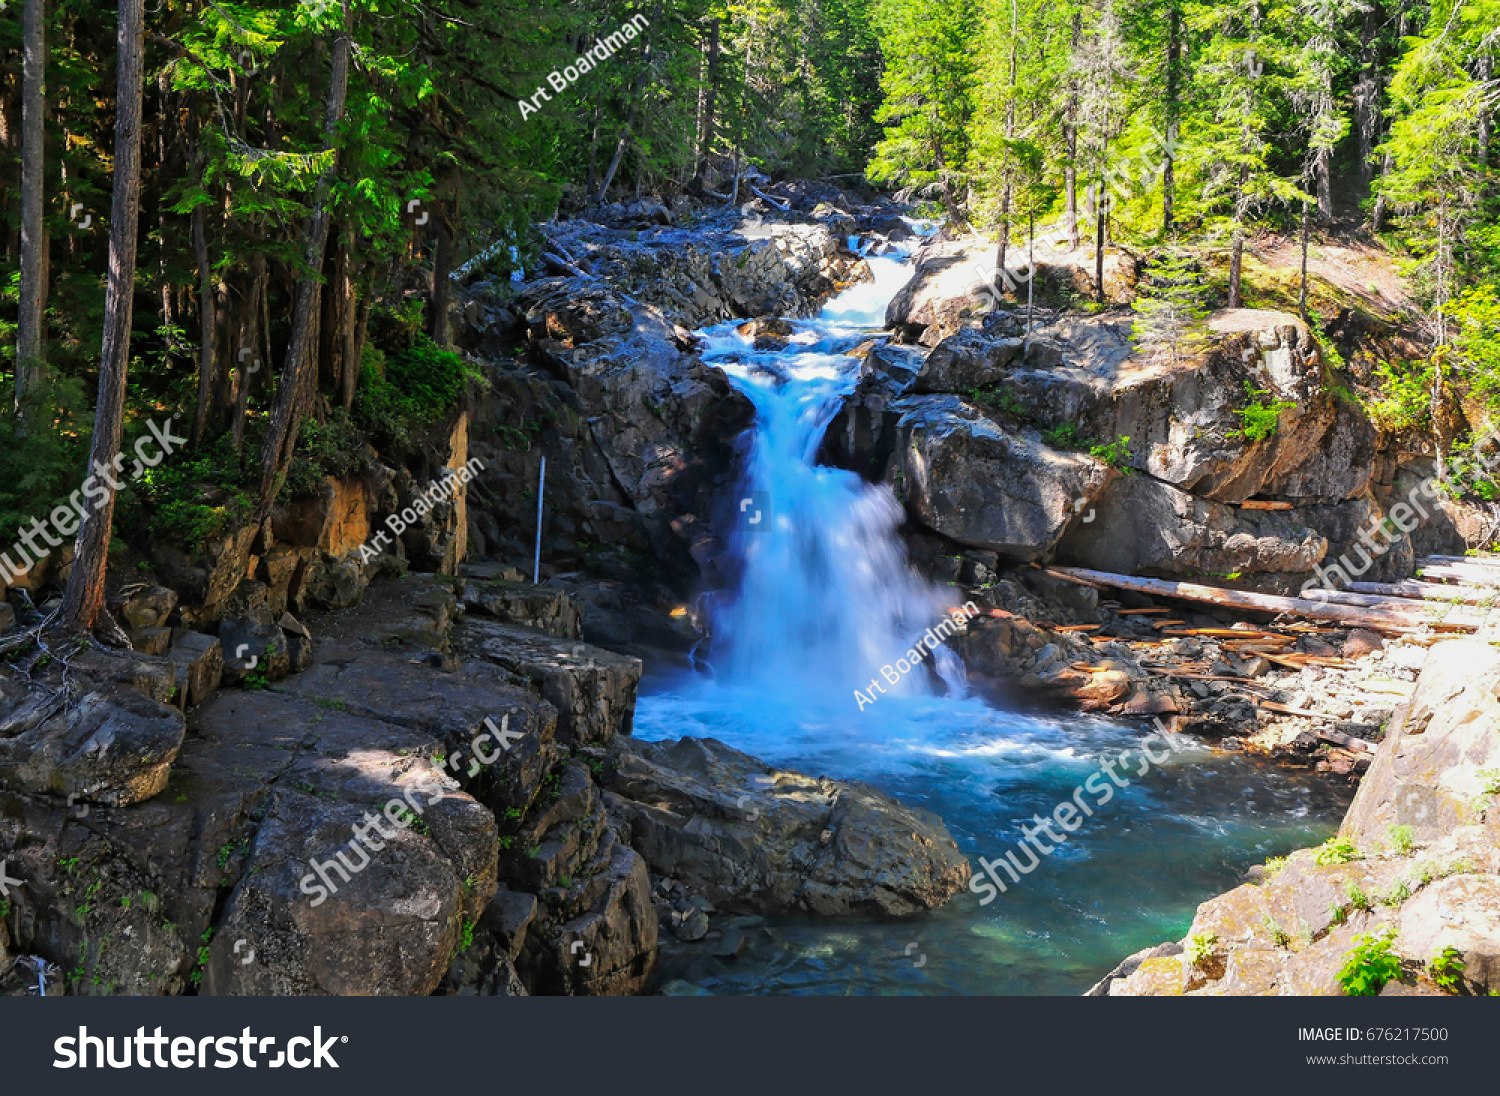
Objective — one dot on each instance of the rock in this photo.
(610, 947)
(947, 287)
(966, 361)
(665, 424)
(862, 435)
(200, 667)
(251, 647)
(151, 641)
(1361, 642)
(299, 644)
(392, 924)
(148, 608)
(748, 837)
(731, 946)
(692, 926)
(335, 520)
(541, 607)
(111, 745)
(1462, 913)
(1427, 772)
(592, 689)
(977, 484)
(1145, 526)
(507, 916)
(7, 616)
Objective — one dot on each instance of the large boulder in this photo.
(1140, 526)
(862, 435)
(753, 838)
(964, 476)
(592, 689)
(107, 745)
(1441, 751)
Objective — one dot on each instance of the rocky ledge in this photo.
(436, 796)
(1404, 901)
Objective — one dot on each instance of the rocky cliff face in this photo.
(1068, 444)
(1414, 872)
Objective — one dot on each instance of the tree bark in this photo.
(1099, 206)
(83, 604)
(281, 432)
(29, 362)
(1010, 132)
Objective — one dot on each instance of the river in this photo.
(825, 598)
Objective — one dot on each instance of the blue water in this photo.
(825, 598)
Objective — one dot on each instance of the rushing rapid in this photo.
(825, 598)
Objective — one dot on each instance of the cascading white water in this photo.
(827, 598)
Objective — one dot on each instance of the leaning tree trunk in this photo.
(33, 138)
(83, 605)
(281, 432)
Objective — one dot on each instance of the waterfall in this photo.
(826, 596)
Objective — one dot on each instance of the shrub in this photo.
(405, 390)
(1447, 968)
(1116, 454)
(1399, 838)
(189, 500)
(1337, 850)
(1406, 400)
(1260, 420)
(1369, 964)
(1200, 946)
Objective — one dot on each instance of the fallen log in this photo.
(1388, 618)
(1338, 738)
(1429, 591)
(1478, 561)
(763, 196)
(1459, 572)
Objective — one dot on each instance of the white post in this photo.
(541, 493)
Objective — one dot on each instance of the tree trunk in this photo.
(33, 141)
(1010, 132)
(83, 605)
(281, 432)
(1323, 163)
(1302, 294)
(207, 313)
(1070, 132)
(356, 353)
(1099, 207)
(442, 264)
(1236, 259)
(1367, 93)
(247, 365)
(710, 103)
(635, 98)
(1169, 168)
